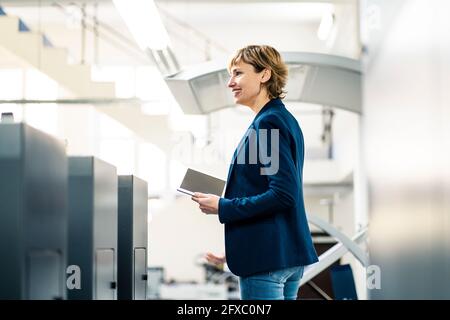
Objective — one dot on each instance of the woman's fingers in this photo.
(205, 209)
(197, 195)
(200, 195)
(207, 203)
(199, 200)
(215, 259)
(210, 257)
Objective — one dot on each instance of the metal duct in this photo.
(313, 78)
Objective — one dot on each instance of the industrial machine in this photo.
(33, 214)
(132, 238)
(93, 228)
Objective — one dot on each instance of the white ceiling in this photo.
(246, 12)
(198, 29)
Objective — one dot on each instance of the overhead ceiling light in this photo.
(326, 25)
(143, 20)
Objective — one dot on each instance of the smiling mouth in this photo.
(236, 92)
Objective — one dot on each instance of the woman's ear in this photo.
(266, 75)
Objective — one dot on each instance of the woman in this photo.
(267, 238)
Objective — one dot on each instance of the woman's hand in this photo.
(215, 260)
(208, 203)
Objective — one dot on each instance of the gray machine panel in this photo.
(104, 275)
(33, 214)
(93, 227)
(45, 270)
(132, 254)
(140, 273)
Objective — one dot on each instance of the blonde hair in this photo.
(265, 57)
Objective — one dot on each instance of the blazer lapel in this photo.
(239, 149)
(244, 140)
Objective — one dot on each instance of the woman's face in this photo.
(245, 83)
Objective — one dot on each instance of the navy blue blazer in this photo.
(264, 214)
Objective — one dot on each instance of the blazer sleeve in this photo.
(283, 185)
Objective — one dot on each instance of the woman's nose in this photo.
(231, 82)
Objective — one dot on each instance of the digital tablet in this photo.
(195, 181)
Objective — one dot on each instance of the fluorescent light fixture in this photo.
(143, 21)
(326, 25)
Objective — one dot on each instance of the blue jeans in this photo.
(273, 285)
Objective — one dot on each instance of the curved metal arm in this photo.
(329, 257)
(346, 241)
